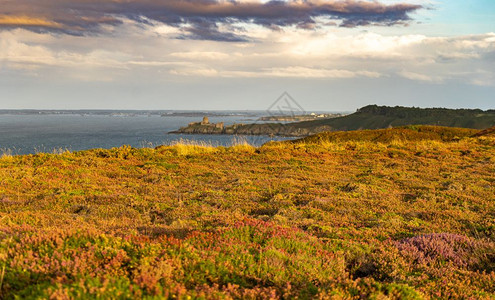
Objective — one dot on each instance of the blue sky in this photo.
(197, 54)
(463, 17)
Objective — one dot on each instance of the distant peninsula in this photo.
(300, 118)
(368, 117)
(270, 129)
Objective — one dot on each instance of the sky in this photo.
(329, 55)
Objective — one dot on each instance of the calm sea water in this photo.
(26, 134)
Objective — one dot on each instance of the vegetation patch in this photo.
(403, 213)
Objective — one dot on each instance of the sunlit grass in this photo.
(351, 218)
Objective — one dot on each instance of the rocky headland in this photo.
(368, 117)
(269, 129)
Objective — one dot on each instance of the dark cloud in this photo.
(204, 30)
(199, 19)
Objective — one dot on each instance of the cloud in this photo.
(24, 21)
(218, 20)
(287, 72)
(419, 77)
(295, 53)
(201, 55)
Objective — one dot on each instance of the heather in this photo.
(403, 213)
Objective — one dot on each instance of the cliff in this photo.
(270, 129)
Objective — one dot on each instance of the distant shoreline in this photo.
(161, 112)
(368, 117)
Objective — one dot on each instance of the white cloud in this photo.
(14, 51)
(290, 54)
(198, 55)
(419, 77)
(288, 72)
(362, 45)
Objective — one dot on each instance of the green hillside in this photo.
(368, 117)
(376, 117)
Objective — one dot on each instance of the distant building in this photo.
(206, 124)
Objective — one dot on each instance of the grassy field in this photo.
(400, 213)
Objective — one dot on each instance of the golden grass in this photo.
(396, 219)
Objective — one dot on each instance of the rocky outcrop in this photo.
(269, 129)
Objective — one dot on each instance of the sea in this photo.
(31, 131)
